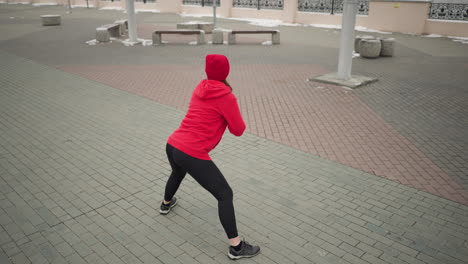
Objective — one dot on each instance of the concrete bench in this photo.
(275, 35)
(158, 33)
(105, 32)
(205, 26)
(51, 20)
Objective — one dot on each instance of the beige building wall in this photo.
(405, 17)
(448, 28)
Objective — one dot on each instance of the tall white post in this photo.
(214, 13)
(347, 39)
(132, 33)
(69, 6)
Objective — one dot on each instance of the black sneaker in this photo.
(246, 251)
(166, 208)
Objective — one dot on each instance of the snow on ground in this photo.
(463, 40)
(92, 42)
(432, 36)
(154, 11)
(112, 8)
(267, 43)
(19, 3)
(44, 4)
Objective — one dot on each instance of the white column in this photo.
(214, 13)
(132, 33)
(347, 39)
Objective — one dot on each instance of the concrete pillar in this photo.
(132, 32)
(347, 39)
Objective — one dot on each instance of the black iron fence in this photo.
(259, 4)
(330, 6)
(146, 1)
(449, 11)
(201, 2)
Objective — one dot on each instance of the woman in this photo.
(213, 107)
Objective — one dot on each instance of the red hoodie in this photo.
(213, 107)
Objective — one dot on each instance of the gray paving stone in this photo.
(80, 170)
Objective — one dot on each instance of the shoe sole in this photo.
(166, 212)
(232, 257)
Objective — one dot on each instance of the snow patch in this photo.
(325, 26)
(433, 36)
(92, 42)
(364, 29)
(356, 55)
(20, 3)
(112, 8)
(199, 15)
(44, 4)
(267, 43)
(193, 43)
(154, 11)
(463, 40)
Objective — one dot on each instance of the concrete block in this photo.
(388, 47)
(156, 38)
(201, 38)
(275, 38)
(231, 38)
(51, 20)
(218, 37)
(102, 35)
(357, 42)
(370, 48)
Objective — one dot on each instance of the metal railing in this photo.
(449, 11)
(330, 6)
(201, 2)
(259, 4)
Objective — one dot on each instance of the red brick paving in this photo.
(279, 104)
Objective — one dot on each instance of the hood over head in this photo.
(216, 67)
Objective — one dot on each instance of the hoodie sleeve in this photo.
(231, 112)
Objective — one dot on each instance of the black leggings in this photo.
(209, 177)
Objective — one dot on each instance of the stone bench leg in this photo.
(102, 35)
(114, 32)
(201, 38)
(231, 38)
(218, 37)
(388, 47)
(275, 38)
(156, 39)
(122, 27)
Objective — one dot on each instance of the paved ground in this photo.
(324, 174)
